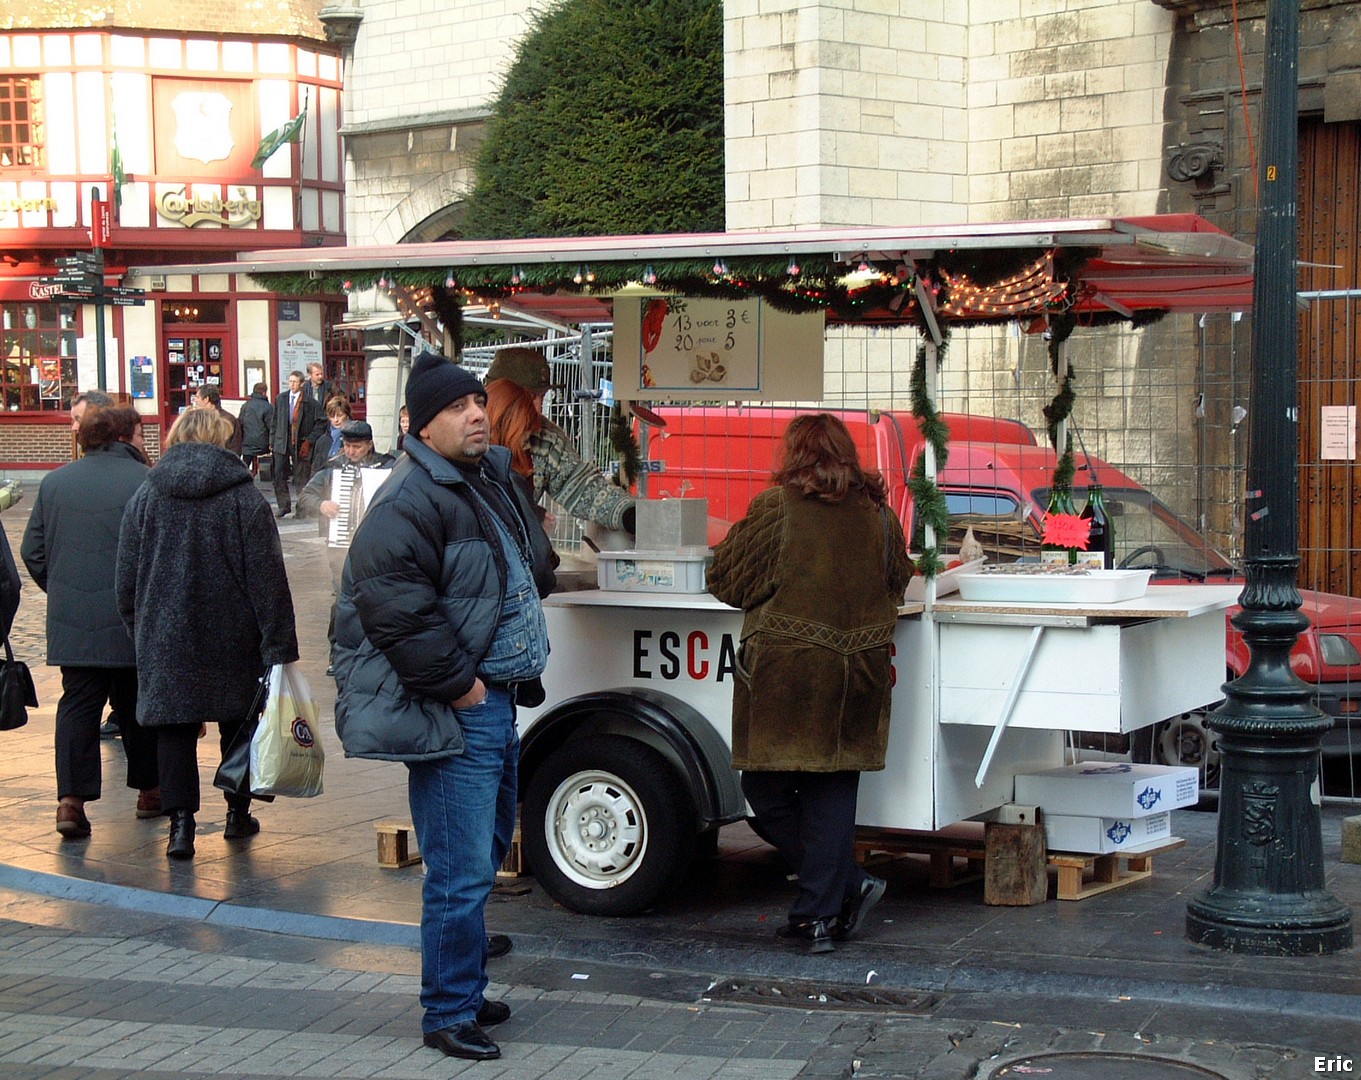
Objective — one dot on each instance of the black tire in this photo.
(1182, 740)
(608, 826)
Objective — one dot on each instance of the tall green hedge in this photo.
(610, 121)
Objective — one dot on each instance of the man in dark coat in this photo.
(71, 548)
(298, 424)
(318, 388)
(257, 427)
(439, 635)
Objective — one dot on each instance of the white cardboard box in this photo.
(1102, 835)
(1109, 789)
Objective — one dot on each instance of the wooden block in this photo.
(512, 866)
(1351, 839)
(394, 839)
(1014, 872)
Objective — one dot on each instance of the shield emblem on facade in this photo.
(202, 126)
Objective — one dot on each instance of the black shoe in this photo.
(181, 844)
(281, 512)
(240, 824)
(498, 945)
(330, 669)
(814, 935)
(465, 1040)
(109, 730)
(857, 906)
(493, 1013)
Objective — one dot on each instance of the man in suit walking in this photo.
(298, 423)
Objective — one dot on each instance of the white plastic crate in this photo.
(678, 571)
(1093, 587)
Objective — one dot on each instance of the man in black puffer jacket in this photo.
(71, 549)
(439, 633)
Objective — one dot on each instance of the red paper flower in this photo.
(1067, 530)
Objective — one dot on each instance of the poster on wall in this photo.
(687, 348)
(1337, 429)
(142, 376)
(295, 352)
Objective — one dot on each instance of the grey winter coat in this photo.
(201, 584)
(71, 548)
(419, 604)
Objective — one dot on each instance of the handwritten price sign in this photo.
(699, 345)
(1067, 530)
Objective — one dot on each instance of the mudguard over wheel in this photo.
(608, 826)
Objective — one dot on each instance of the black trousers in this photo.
(810, 818)
(84, 690)
(286, 469)
(177, 754)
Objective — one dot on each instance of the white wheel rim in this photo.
(597, 829)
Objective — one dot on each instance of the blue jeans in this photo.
(463, 810)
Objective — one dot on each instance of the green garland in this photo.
(928, 501)
(625, 447)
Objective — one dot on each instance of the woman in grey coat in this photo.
(201, 584)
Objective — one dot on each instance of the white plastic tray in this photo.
(947, 581)
(1094, 587)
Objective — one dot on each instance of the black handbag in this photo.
(265, 467)
(233, 775)
(17, 694)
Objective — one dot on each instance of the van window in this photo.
(998, 521)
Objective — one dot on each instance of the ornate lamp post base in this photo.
(1268, 896)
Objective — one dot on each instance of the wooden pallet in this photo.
(958, 855)
(1081, 876)
(394, 849)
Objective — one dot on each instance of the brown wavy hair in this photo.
(513, 416)
(819, 459)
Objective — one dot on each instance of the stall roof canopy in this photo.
(927, 274)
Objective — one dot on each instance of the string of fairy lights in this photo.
(958, 286)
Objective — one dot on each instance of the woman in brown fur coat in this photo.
(819, 565)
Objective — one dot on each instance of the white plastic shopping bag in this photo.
(285, 755)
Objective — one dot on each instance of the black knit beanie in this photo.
(434, 383)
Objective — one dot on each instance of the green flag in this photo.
(116, 171)
(290, 132)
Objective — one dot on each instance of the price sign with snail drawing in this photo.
(707, 347)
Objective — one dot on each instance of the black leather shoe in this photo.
(493, 1013)
(281, 512)
(240, 824)
(814, 935)
(498, 945)
(465, 1040)
(857, 906)
(181, 844)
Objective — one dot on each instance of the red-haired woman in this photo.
(542, 452)
(819, 565)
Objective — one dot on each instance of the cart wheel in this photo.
(608, 826)
(1183, 740)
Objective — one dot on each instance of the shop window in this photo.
(343, 353)
(38, 349)
(194, 310)
(21, 123)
